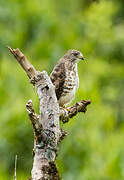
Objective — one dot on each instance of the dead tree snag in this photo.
(46, 127)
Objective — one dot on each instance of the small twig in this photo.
(69, 112)
(34, 118)
(15, 165)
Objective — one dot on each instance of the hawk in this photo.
(65, 77)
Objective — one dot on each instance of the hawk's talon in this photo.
(66, 111)
(65, 108)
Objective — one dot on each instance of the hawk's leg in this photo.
(65, 111)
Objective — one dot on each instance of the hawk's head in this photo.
(74, 56)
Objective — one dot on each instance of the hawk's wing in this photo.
(58, 78)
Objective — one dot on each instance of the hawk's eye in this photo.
(75, 54)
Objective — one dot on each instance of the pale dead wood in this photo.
(34, 118)
(46, 127)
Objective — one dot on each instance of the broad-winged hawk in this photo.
(65, 77)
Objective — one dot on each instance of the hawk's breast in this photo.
(70, 86)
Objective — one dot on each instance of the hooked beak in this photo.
(81, 57)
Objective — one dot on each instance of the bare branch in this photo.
(34, 118)
(69, 112)
(23, 61)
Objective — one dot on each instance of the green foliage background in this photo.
(44, 31)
